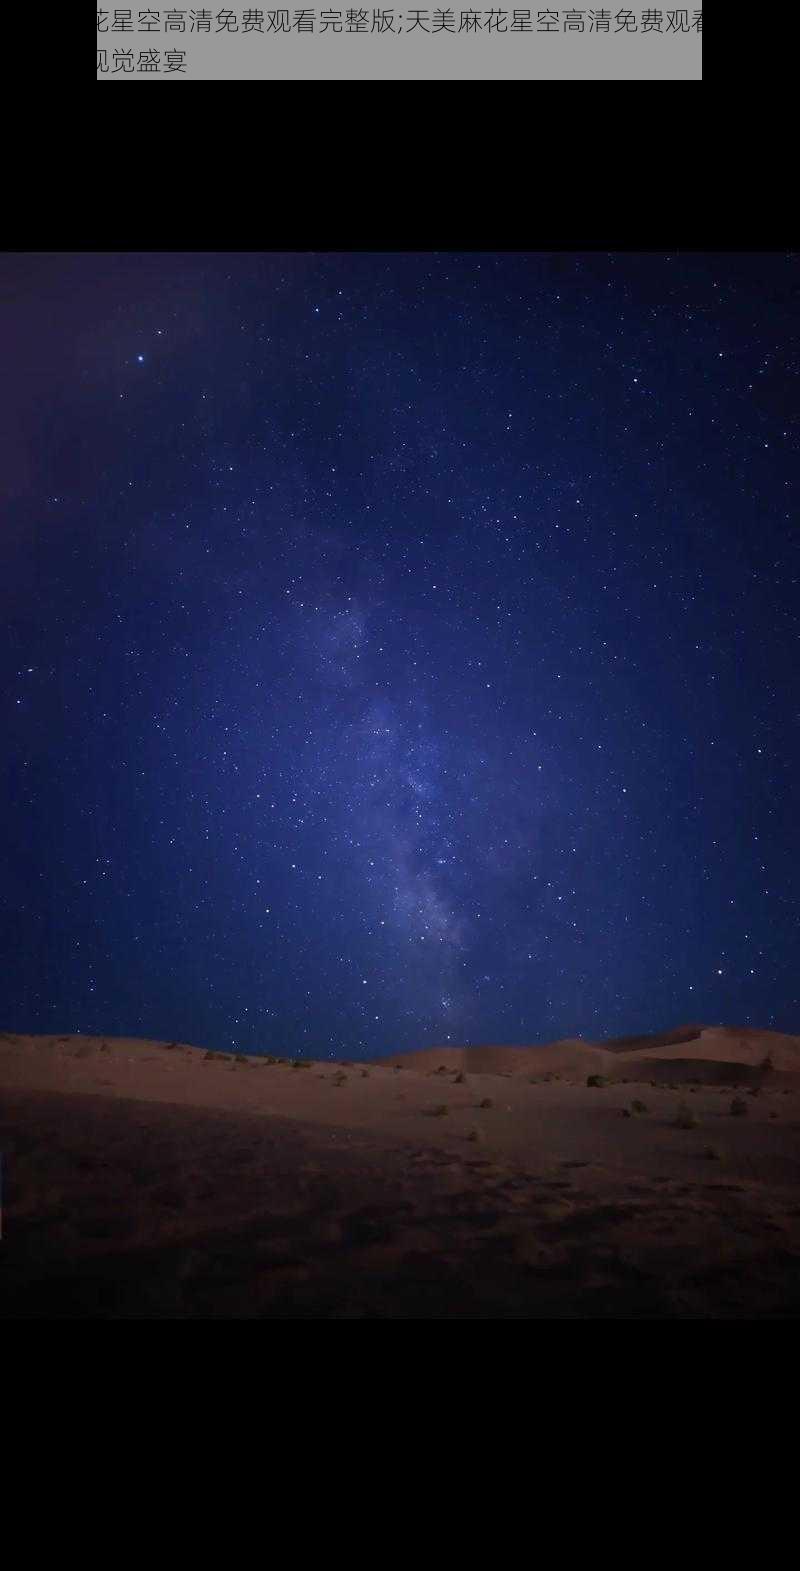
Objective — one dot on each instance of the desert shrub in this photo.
(638, 1107)
(738, 1107)
(460, 1078)
(487, 1102)
(626, 1112)
(684, 1117)
(773, 1115)
(207, 1056)
(301, 1063)
(597, 1080)
(340, 1079)
(365, 1074)
(475, 1134)
(440, 1110)
(711, 1153)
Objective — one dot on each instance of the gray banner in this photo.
(330, 43)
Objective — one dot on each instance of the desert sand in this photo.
(147, 1179)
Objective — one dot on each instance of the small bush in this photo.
(711, 1153)
(626, 1112)
(475, 1134)
(301, 1063)
(596, 1080)
(487, 1102)
(638, 1107)
(738, 1107)
(365, 1074)
(460, 1078)
(684, 1117)
(440, 1110)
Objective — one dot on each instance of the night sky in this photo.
(399, 648)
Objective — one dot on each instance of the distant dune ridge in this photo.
(569, 1056)
(624, 1044)
(711, 1053)
(707, 1054)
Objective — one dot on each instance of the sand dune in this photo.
(742, 1046)
(718, 1055)
(730, 1048)
(158, 1179)
(629, 1044)
(568, 1056)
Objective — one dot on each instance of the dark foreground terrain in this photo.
(121, 1209)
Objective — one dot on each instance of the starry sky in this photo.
(399, 648)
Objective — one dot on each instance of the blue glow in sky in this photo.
(399, 649)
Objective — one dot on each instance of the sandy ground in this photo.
(145, 1179)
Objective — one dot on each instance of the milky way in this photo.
(399, 649)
